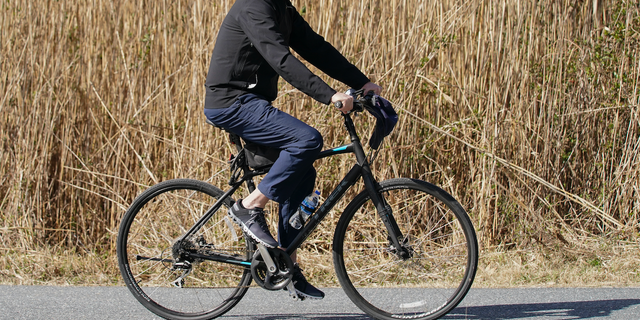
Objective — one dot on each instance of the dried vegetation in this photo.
(525, 111)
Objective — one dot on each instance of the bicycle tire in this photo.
(149, 229)
(444, 252)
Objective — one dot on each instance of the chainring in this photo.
(272, 281)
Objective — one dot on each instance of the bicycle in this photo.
(183, 258)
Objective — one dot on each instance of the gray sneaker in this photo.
(253, 223)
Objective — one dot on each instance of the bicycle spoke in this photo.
(430, 279)
(157, 263)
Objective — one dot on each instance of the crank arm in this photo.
(292, 292)
(264, 252)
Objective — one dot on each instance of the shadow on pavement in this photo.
(324, 316)
(558, 310)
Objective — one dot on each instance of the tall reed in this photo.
(525, 111)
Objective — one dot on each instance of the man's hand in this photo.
(345, 99)
(370, 86)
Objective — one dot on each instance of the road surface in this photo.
(43, 302)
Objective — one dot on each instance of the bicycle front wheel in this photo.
(440, 239)
(170, 274)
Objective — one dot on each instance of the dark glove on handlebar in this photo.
(386, 120)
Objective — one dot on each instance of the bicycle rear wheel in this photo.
(442, 245)
(162, 272)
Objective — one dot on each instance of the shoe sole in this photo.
(246, 230)
(306, 296)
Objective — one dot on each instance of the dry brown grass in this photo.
(525, 111)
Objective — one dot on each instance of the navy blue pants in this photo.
(292, 177)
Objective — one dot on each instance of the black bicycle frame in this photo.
(360, 169)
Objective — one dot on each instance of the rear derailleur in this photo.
(182, 260)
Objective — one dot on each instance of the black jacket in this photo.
(252, 51)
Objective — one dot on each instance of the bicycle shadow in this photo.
(323, 316)
(559, 310)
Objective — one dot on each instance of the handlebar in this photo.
(360, 101)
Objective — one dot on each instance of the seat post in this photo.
(235, 140)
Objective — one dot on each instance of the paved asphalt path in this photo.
(40, 302)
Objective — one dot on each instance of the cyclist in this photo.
(251, 53)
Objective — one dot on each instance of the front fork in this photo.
(373, 188)
(396, 238)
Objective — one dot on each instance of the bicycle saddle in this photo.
(258, 156)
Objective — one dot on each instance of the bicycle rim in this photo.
(147, 252)
(442, 242)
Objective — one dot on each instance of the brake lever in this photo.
(369, 94)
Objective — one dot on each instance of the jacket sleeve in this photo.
(258, 23)
(313, 48)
